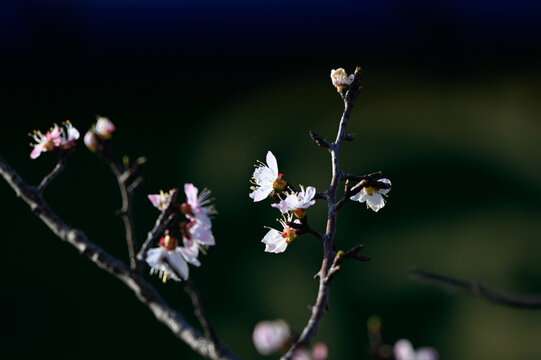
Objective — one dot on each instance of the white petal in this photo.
(310, 193)
(271, 162)
(260, 193)
(189, 254)
(387, 182)
(201, 233)
(356, 197)
(191, 195)
(154, 257)
(375, 202)
(178, 263)
(274, 242)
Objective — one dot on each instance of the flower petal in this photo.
(260, 193)
(190, 254)
(274, 242)
(191, 195)
(177, 262)
(375, 202)
(271, 162)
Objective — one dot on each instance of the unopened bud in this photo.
(91, 141)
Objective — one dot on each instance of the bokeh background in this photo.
(450, 112)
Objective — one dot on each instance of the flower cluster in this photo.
(57, 138)
(267, 183)
(169, 259)
(101, 130)
(403, 350)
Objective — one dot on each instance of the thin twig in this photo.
(199, 309)
(62, 161)
(320, 141)
(143, 290)
(477, 289)
(202, 316)
(127, 188)
(352, 253)
(164, 222)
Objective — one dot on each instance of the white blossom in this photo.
(266, 178)
(373, 196)
(301, 201)
(276, 241)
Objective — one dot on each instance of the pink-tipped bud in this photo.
(104, 128)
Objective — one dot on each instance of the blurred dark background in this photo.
(450, 113)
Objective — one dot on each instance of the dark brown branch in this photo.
(373, 176)
(144, 291)
(477, 289)
(322, 300)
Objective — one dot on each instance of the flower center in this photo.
(300, 213)
(289, 234)
(168, 242)
(186, 209)
(370, 190)
(279, 183)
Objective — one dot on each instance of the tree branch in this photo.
(322, 300)
(477, 289)
(143, 290)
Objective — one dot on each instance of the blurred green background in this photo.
(450, 113)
